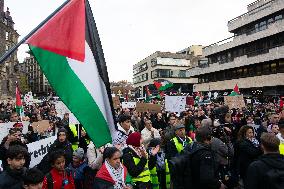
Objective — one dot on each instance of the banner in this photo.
(175, 103)
(236, 102)
(5, 127)
(129, 105)
(41, 126)
(39, 149)
(148, 107)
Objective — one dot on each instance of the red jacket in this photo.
(58, 179)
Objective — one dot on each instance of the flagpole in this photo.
(15, 47)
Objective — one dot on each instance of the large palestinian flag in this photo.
(69, 52)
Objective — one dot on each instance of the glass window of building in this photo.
(266, 69)
(7, 35)
(153, 62)
(259, 69)
(270, 21)
(182, 73)
(245, 72)
(262, 25)
(278, 17)
(273, 68)
(240, 72)
(154, 74)
(281, 66)
(164, 73)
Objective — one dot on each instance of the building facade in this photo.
(253, 58)
(166, 66)
(8, 69)
(36, 79)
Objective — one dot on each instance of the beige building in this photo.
(9, 69)
(253, 58)
(166, 66)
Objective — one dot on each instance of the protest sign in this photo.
(116, 102)
(28, 98)
(129, 105)
(61, 109)
(5, 127)
(73, 119)
(39, 149)
(148, 107)
(175, 103)
(190, 100)
(41, 126)
(234, 101)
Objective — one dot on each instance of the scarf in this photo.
(117, 175)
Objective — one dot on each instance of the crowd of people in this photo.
(207, 146)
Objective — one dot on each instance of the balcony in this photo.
(262, 8)
(274, 28)
(268, 55)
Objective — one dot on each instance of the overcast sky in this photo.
(131, 30)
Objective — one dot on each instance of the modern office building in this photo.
(9, 68)
(253, 57)
(166, 66)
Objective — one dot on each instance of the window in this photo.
(270, 21)
(154, 74)
(262, 26)
(251, 71)
(239, 72)
(273, 67)
(164, 73)
(256, 27)
(182, 73)
(266, 69)
(281, 66)
(228, 74)
(278, 17)
(258, 69)
(245, 72)
(153, 62)
(7, 47)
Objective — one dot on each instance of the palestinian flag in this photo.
(69, 52)
(19, 105)
(163, 85)
(148, 94)
(236, 91)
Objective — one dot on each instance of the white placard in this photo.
(5, 127)
(73, 119)
(128, 105)
(175, 103)
(61, 109)
(248, 101)
(39, 149)
(29, 99)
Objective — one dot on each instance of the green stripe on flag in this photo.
(74, 94)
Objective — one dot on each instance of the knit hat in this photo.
(61, 130)
(79, 153)
(134, 139)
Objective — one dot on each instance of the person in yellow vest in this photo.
(176, 145)
(280, 135)
(138, 162)
(160, 174)
(74, 138)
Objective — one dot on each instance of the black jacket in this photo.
(246, 153)
(12, 179)
(204, 168)
(135, 170)
(257, 170)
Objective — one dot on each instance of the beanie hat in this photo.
(134, 139)
(61, 130)
(79, 153)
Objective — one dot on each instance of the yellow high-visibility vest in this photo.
(144, 176)
(178, 145)
(154, 178)
(281, 148)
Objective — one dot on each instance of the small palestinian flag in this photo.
(148, 94)
(163, 85)
(19, 105)
(69, 52)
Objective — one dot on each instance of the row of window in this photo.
(167, 73)
(140, 78)
(243, 72)
(260, 25)
(252, 49)
(140, 68)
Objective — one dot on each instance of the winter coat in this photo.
(12, 179)
(94, 156)
(204, 167)
(57, 179)
(246, 153)
(257, 170)
(122, 135)
(222, 151)
(79, 174)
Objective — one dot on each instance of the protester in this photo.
(149, 133)
(58, 177)
(78, 167)
(112, 174)
(280, 136)
(33, 179)
(12, 177)
(268, 170)
(124, 130)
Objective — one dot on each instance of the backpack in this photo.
(180, 169)
(274, 177)
(49, 179)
